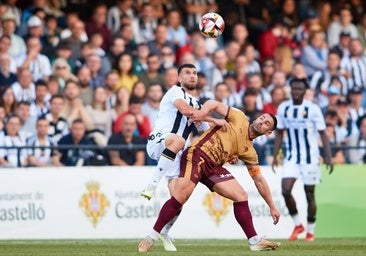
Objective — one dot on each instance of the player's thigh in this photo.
(310, 174)
(231, 189)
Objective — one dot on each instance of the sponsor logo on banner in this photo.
(94, 203)
(217, 206)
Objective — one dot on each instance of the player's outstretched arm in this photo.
(264, 190)
(209, 106)
(184, 108)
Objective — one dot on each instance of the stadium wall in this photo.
(104, 202)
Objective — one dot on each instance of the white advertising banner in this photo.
(105, 202)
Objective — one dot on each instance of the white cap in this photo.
(34, 21)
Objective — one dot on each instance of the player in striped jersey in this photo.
(303, 121)
(172, 132)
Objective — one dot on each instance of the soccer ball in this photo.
(211, 25)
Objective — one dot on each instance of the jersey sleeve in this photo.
(175, 93)
(318, 118)
(250, 157)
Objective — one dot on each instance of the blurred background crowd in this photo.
(79, 73)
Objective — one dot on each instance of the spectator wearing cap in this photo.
(358, 155)
(333, 94)
(343, 24)
(35, 28)
(8, 25)
(355, 66)
(28, 12)
(15, 10)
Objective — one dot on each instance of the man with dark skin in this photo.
(303, 121)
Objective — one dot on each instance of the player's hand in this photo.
(221, 122)
(234, 160)
(198, 115)
(329, 165)
(274, 164)
(275, 215)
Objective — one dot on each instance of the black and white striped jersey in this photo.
(301, 123)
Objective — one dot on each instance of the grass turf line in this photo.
(127, 247)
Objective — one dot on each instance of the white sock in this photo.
(154, 235)
(296, 219)
(164, 164)
(254, 239)
(169, 225)
(311, 228)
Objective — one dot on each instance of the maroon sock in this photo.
(167, 213)
(244, 218)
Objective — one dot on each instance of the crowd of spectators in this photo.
(70, 77)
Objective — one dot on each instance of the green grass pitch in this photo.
(320, 247)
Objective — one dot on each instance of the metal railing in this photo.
(104, 149)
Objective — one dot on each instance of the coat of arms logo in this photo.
(94, 203)
(217, 206)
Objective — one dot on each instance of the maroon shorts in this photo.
(196, 166)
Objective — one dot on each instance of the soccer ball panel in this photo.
(211, 25)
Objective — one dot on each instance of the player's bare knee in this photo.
(174, 143)
(240, 196)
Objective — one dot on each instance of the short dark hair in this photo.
(41, 118)
(300, 80)
(78, 121)
(41, 82)
(274, 121)
(135, 100)
(185, 65)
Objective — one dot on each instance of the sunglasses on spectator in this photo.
(166, 53)
(60, 67)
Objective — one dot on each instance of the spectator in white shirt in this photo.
(24, 88)
(37, 63)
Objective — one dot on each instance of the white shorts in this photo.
(155, 146)
(309, 173)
